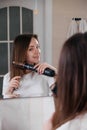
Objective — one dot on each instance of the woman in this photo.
(71, 99)
(22, 82)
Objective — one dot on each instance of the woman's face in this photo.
(33, 52)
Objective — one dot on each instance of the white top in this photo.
(30, 85)
(79, 123)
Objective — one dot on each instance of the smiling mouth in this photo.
(36, 57)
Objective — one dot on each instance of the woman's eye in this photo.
(30, 49)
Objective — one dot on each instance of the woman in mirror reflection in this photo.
(71, 99)
(22, 82)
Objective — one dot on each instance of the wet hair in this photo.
(72, 79)
(20, 46)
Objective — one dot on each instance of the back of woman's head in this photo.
(72, 76)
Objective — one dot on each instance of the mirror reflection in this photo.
(28, 77)
(23, 18)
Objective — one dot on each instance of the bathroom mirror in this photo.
(51, 21)
(17, 17)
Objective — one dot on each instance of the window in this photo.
(14, 20)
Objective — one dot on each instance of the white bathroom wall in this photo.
(63, 12)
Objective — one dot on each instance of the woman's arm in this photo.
(41, 67)
(9, 86)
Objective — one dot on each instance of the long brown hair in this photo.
(71, 97)
(20, 46)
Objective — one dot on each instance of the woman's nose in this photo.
(37, 50)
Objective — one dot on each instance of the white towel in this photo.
(73, 28)
(82, 25)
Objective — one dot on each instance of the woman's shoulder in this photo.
(7, 75)
(78, 123)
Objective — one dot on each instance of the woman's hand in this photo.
(13, 95)
(13, 84)
(42, 66)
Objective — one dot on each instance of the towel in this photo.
(82, 25)
(73, 28)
